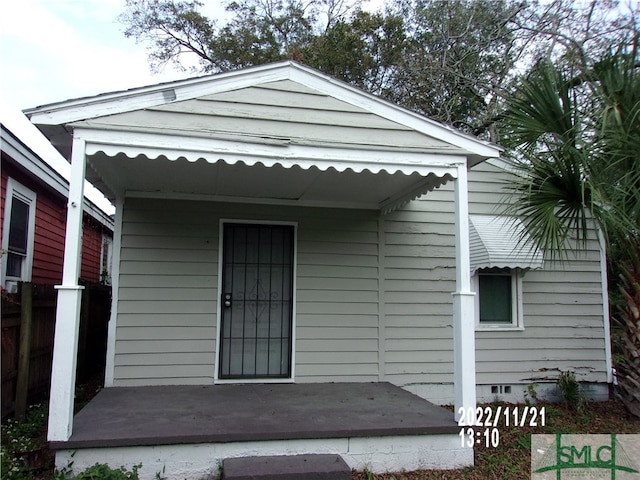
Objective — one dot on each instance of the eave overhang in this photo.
(261, 171)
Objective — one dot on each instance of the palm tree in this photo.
(576, 140)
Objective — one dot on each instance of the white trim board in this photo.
(231, 151)
(109, 374)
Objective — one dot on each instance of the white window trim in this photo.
(15, 189)
(517, 321)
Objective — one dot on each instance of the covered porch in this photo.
(376, 426)
(289, 147)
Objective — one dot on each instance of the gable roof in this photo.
(281, 132)
(280, 78)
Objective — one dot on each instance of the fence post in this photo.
(24, 355)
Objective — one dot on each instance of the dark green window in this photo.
(496, 297)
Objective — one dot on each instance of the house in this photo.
(285, 252)
(33, 208)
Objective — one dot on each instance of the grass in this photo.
(25, 456)
(512, 458)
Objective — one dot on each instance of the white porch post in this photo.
(464, 348)
(65, 346)
(115, 282)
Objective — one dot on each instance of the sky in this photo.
(55, 50)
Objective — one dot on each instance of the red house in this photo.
(33, 208)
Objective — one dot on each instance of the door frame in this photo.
(221, 223)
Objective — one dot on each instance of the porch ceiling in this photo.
(265, 180)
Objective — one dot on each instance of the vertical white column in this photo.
(464, 348)
(115, 282)
(65, 345)
(382, 320)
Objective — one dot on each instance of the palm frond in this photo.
(579, 154)
(541, 112)
(554, 200)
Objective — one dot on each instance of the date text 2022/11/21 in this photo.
(487, 419)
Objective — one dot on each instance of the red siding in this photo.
(91, 251)
(48, 245)
(48, 250)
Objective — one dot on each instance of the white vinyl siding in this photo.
(563, 325)
(562, 317)
(373, 295)
(418, 281)
(279, 111)
(337, 317)
(168, 291)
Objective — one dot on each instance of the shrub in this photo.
(21, 454)
(100, 471)
(571, 392)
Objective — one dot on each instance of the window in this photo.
(106, 260)
(498, 299)
(18, 234)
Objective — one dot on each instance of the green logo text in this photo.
(582, 452)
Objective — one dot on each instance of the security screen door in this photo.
(256, 301)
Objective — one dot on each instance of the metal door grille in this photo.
(257, 301)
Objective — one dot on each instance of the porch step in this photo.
(286, 467)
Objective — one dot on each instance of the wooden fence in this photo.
(28, 325)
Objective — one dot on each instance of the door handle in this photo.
(227, 300)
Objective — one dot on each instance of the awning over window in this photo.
(501, 242)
